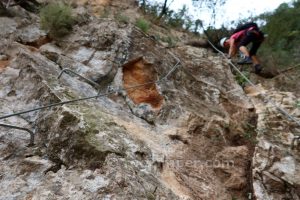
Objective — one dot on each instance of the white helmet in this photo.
(222, 41)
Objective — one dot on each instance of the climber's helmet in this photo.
(222, 41)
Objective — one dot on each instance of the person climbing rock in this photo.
(241, 37)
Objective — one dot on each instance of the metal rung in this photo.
(31, 143)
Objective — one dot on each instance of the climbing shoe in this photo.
(246, 60)
(257, 68)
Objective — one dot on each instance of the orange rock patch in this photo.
(3, 64)
(39, 42)
(138, 72)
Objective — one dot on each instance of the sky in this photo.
(233, 10)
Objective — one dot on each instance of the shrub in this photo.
(57, 19)
(143, 25)
(104, 13)
(241, 80)
(122, 18)
(298, 103)
(171, 41)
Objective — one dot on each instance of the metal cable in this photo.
(82, 99)
(266, 98)
(152, 82)
(75, 73)
(95, 96)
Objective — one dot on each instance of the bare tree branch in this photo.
(8, 3)
(163, 10)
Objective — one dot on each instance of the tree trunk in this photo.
(164, 10)
(143, 6)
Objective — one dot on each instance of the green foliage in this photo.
(215, 35)
(165, 16)
(175, 20)
(150, 196)
(241, 80)
(143, 24)
(57, 19)
(171, 41)
(179, 19)
(250, 137)
(150, 9)
(283, 29)
(249, 133)
(298, 103)
(104, 13)
(122, 18)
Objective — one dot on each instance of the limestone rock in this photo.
(275, 171)
(168, 123)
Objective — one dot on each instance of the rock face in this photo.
(276, 157)
(167, 123)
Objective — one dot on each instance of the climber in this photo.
(242, 36)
